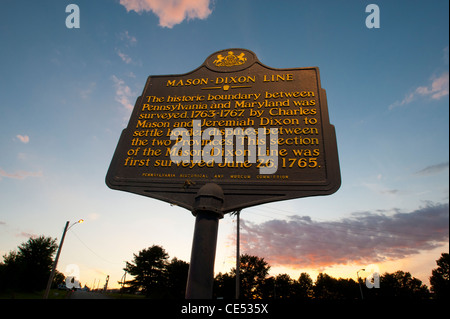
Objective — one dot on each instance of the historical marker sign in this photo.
(261, 134)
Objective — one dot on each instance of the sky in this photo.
(67, 93)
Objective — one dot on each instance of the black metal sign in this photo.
(261, 134)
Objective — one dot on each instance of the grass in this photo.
(118, 295)
(60, 294)
(54, 294)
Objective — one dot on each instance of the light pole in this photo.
(52, 274)
(359, 282)
(238, 257)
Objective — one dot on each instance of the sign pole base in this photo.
(207, 212)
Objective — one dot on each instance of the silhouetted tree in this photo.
(59, 279)
(324, 287)
(9, 272)
(279, 287)
(177, 273)
(268, 288)
(440, 280)
(256, 284)
(154, 276)
(327, 287)
(304, 286)
(253, 271)
(348, 289)
(225, 286)
(149, 271)
(401, 285)
(29, 268)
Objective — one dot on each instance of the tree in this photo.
(252, 275)
(253, 271)
(225, 286)
(304, 286)
(440, 277)
(177, 274)
(401, 285)
(280, 287)
(327, 287)
(255, 284)
(149, 271)
(59, 279)
(9, 274)
(154, 276)
(268, 288)
(348, 289)
(29, 268)
(35, 256)
(324, 286)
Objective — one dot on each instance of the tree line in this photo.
(157, 277)
(154, 275)
(256, 284)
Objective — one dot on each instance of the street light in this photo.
(360, 289)
(52, 274)
(238, 257)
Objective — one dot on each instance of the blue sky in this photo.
(66, 95)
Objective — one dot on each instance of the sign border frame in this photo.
(255, 192)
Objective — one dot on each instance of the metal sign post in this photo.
(207, 211)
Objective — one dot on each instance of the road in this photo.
(87, 295)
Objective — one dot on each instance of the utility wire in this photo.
(108, 261)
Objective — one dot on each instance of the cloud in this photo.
(390, 191)
(438, 88)
(23, 138)
(369, 237)
(433, 169)
(26, 235)
(170, 12)
(125, 58)
(94, 216)
(19, 174)
(381, 189)
(123, 93)
(86, 93)
(129, 39)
